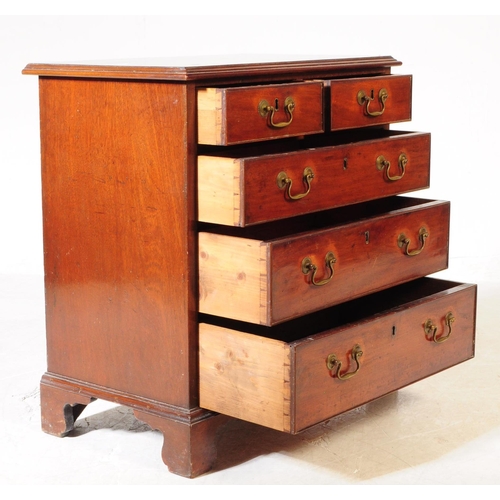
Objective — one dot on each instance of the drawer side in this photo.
(219, 190)
(233, 276)
(210, 129)
(245, 376)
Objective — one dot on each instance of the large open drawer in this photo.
(303, 372)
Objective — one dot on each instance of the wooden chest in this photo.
(238, 240)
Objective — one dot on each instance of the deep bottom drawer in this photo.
(303, 372)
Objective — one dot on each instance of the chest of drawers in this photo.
(230, 240)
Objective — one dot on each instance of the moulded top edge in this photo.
(206, 67)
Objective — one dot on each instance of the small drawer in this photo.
(244, 190)
(237, 115)
(304, 372)
(271, 273)
(363, 102)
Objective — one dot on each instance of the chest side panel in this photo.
(115, 176)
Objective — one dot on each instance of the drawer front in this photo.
(272, 281)
(397, 350)
(246, 191)
(290, 386)
(246, 114)
(363, 102)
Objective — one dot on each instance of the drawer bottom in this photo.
(297, 374)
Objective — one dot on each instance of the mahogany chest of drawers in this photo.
(238, 240)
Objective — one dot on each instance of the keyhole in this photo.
(393, 331)
(367, 237)
(276, 103)
(372, 93)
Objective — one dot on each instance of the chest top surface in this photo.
(203, 68)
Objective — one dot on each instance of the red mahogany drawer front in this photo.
(245, 190)
(246, 114)
(280, 277)
(364, 102)
(377, 345)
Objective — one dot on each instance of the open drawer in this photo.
(364, 102)
(253, 185)
(236, 115)
(274, 272)
(303, 372)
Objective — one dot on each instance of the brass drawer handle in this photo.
(431, 329)
(404, 242)
(365, 100)
(283, 181)
(266, 109)
(308, 266)
(383, 163)
(333, 361)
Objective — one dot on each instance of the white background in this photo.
(455, 62)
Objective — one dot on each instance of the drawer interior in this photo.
(292, 144)
(350, 312)
(326, 219)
